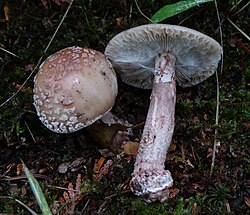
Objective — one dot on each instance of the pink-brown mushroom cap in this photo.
(73, 88)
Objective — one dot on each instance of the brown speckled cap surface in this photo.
(73, 88)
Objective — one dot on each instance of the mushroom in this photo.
(155, 56)
(73, 88)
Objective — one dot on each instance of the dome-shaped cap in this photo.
(73, 88)
(133, 52)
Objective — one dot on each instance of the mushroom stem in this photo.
(150, 180)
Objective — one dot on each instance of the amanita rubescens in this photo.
(73, 88)
(155, 56)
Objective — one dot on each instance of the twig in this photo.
(9, 52)
(242, 32)
(21, 203)
(232, 8)
(216, 122)
(31, 134)
(150, 20)
(40, 59)
(29, 209)
(192, 149)
(21, 177)
(64, 16)
(61, 188)
(237, 12)
(130, 11)
(180, 23)
(217, 93)
(85, 206)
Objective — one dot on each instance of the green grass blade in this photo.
(37, 192)
(176, 8)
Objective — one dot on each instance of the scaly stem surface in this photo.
(150, 179)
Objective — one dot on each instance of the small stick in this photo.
(242, 32)
(237, 12)
(9, 52)
(21, 203)
(31, 134)
(217, 94)
(150, 20)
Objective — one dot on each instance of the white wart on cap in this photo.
(155, 56)
(73, 88)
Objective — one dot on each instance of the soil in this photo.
(99, 160)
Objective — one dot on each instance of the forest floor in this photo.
(102, 164)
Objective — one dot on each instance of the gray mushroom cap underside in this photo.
(133, 54)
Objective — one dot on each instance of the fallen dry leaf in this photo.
(228, 207)
(194, 209)
(173, 192)
(6, 12)
(247, 201)
(103, 171)
(119, 21)
(209, 152)
(24, 189)
(189, 163)
(110, 119)
(43, 170)
(119, 139)
(19, 169)
(98, 164)
(77, 164)
(205, 117)
(23, 89)
(131, 148)
(29, 67)
(63, 168)
(172, 147)
(196, 120)
(71, 166)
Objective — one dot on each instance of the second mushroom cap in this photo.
(133, 54)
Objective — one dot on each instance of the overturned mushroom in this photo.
(155, 56)
(73, 88)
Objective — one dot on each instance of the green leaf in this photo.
(37, 191)
(176, 8)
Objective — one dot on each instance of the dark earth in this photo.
(99, 159)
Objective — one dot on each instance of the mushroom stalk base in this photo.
(150, 180)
